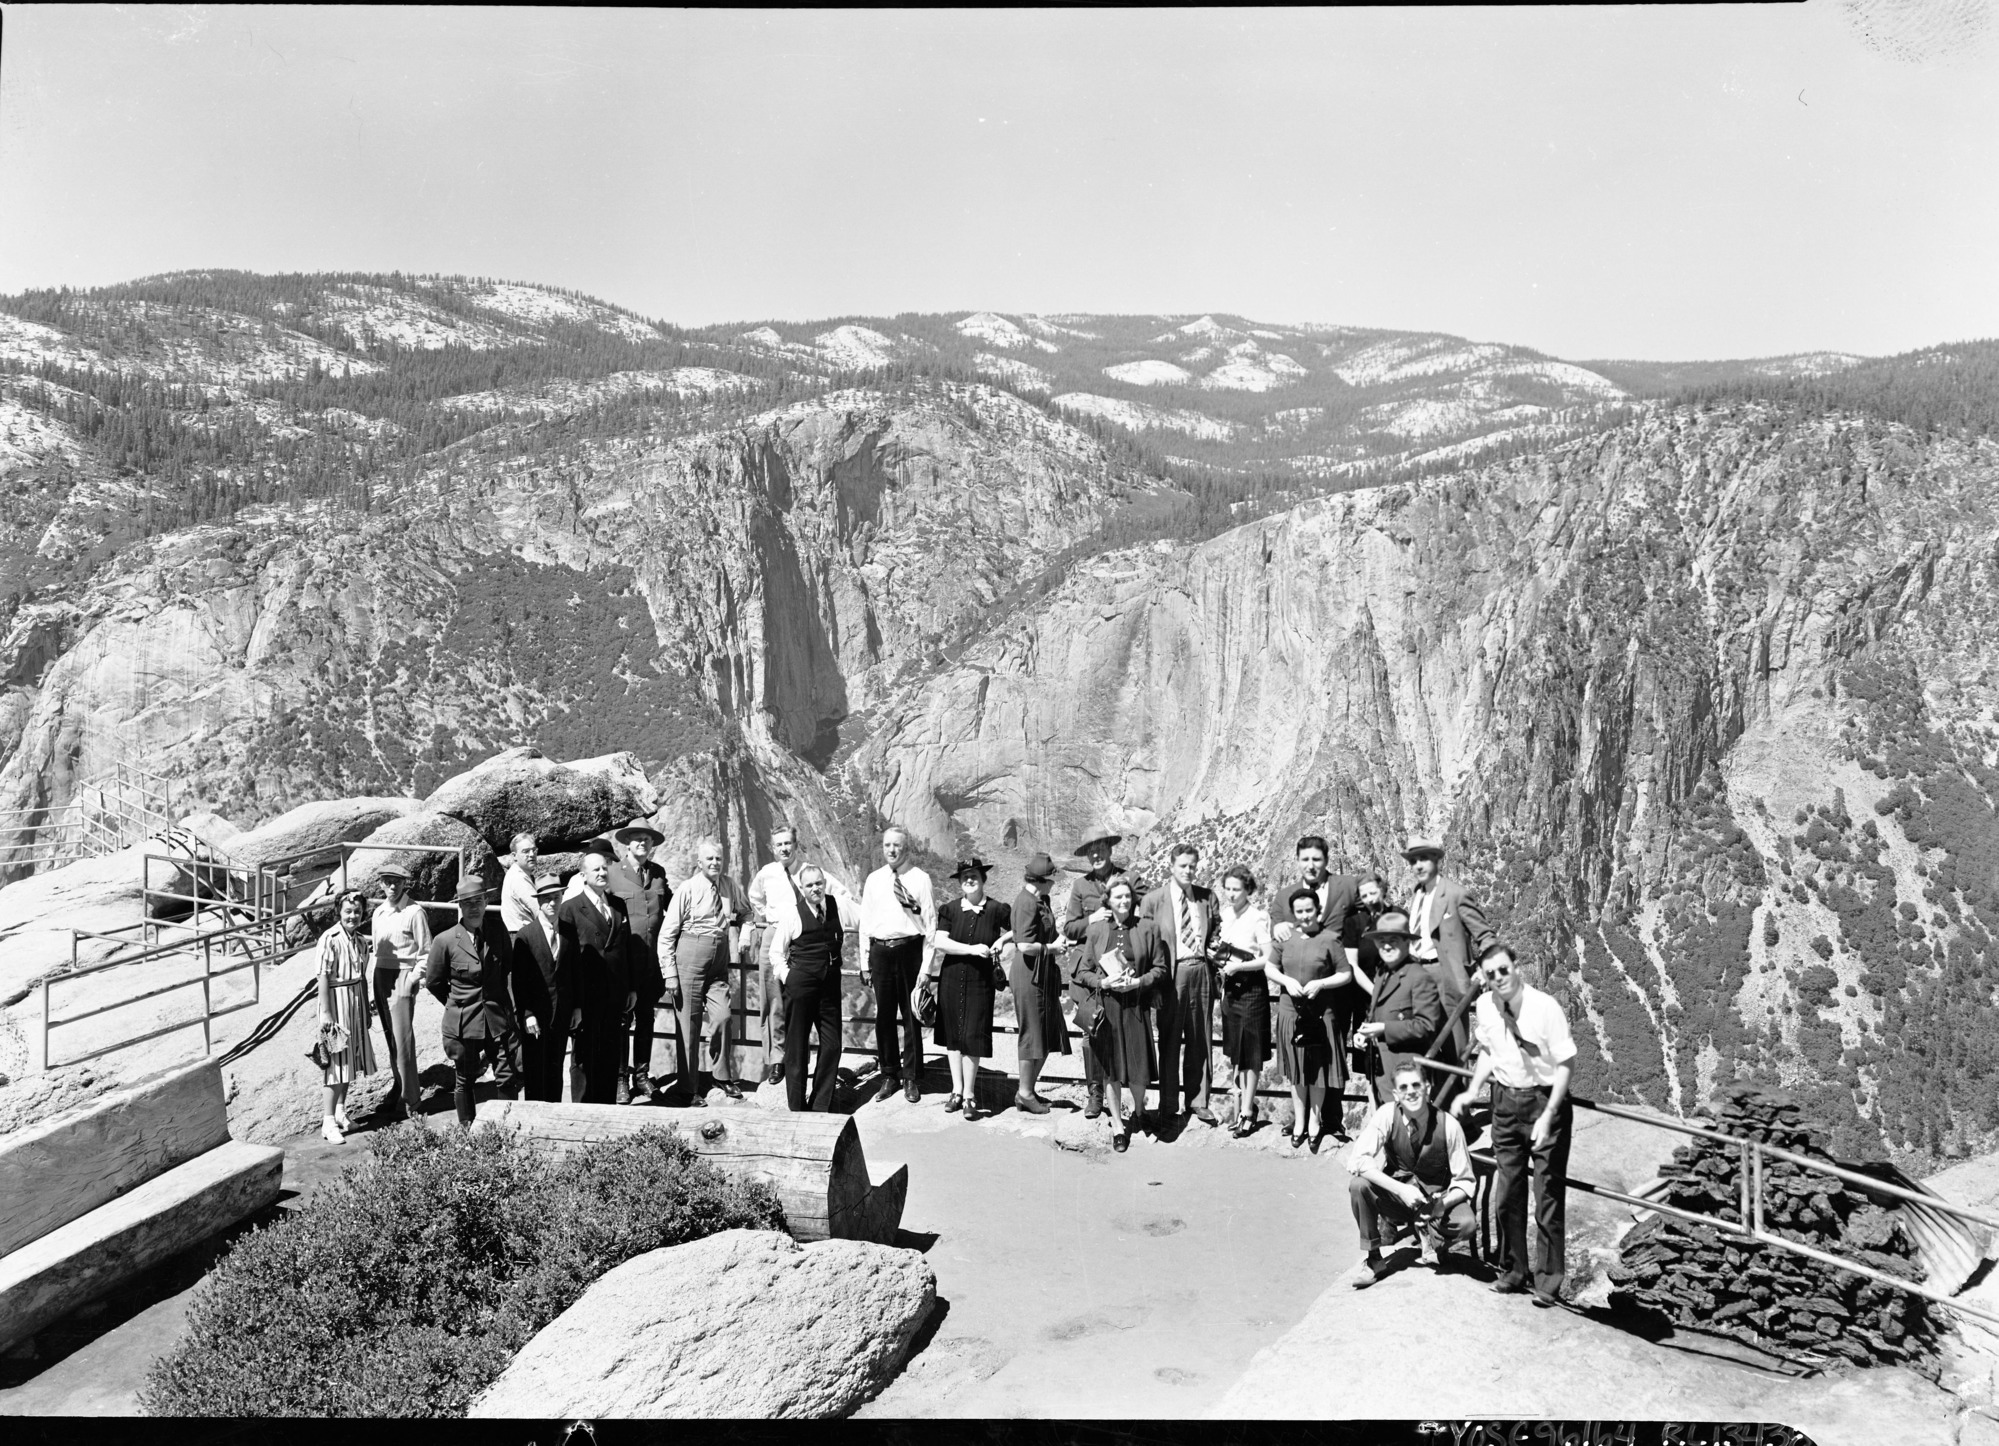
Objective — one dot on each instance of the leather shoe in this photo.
(1030, 1104)
(955, 1103)
(730, 1088)
(774, 1075)
(1545, 1300)
(1205, 1116)
(1094, 1105)
(912, 1092)
(1372, 1271)
(890, 1088)
(1121, 1141)
(1503, 1286)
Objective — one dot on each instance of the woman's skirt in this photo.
(1308, 1044)
(350, 1011)
(1037, 1007)
(965, 1006)
(1123, 1044)
(1246, 1020)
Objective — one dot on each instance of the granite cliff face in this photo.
(1613, 677)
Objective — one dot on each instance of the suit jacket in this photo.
(539, 979)
(1148, 955)
(467, 971)
(646, 894)
(1157, 906)
(1462, 929)
(598, 953)
(1406, 1001)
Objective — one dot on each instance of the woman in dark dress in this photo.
(973, 933)
(1243, 950)
(1119, 969)
(1037, 981)
(1310, 966)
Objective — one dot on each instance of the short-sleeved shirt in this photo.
(1309, 957)
(1541, 1024)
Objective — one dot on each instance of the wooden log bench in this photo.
(93, 1197)
(813, 1161)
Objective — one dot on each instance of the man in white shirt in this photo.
(1526, 1050)
(697, 938)
(1410, 1166)
(401, 933)
(898, 912)
(518, 902)
(773, 897)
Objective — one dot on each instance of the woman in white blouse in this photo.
(1244, 952)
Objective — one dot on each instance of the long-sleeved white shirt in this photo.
(884, 918)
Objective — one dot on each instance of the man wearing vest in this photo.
(1525, 1049)
(1410, 1167)
(805, 957)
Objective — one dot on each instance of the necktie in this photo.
(1513, 1028)
(903, 897)
(1190, 942)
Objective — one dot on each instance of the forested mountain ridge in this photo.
(1698, 691)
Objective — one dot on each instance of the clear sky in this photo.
(1708, 181)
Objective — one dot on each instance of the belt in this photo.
(1522, 1089)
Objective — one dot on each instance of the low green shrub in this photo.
(406, 1287)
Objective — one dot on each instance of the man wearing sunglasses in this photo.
(1410, 1167)
(1525, 1049)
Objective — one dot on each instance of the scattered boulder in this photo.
(212, 829)
(562, 804)
(194, 870)
(432, 875)
(318, 825)
(743, 1323)
(37, 913)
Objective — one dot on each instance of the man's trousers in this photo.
(701, 964)
(811, 1003)
(1372, 1205)
(893, 967)
(1186, 1037)
(1513, 1114)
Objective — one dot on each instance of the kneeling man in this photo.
(1410, 1167)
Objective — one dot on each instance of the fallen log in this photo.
(813, 1161)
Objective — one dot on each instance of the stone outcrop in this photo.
(562, 804)
(433, 875)
(744, 1323)
(317, 825)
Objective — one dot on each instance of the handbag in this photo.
(331, 1040)
(926, 1002)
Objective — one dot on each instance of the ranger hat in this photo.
(1421, 846)
(973, 865)
(468, 890)
(640, 832)
(1108, 840)
(1392, 925)
(1039, 868)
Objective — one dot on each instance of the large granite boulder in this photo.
(562, 804)
(744, 1323)
(318, 825)
(432, 875)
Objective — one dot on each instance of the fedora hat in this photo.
(599, 846)
(1039, 869)
(1392, 925)
(547, 884)
(1421, 846)
(468, 890)
(973, 865)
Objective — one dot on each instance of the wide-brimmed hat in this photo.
(1392, 925)
(599, 846)
(468, 890)
(1422, 846)
(973, 865)
(1039, 869)
(1109, 840)
(547, 884)
(392, 873)
(640, 832)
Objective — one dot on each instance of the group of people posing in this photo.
(1330, 980)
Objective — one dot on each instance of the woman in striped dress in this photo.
(343, 1000)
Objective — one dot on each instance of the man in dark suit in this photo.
(1086, 907)
(1184, 914)
(1450, 932)
(544, 998)
(467, 972)
(1405, 1015)
(594, 936)
(805, 952)
(642, 884)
